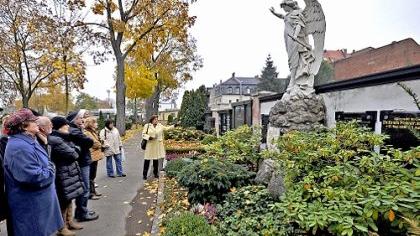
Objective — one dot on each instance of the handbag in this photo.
(144, 141)
(103, 148)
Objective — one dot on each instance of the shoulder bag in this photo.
(144, 141)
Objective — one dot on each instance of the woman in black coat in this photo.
(69, 182)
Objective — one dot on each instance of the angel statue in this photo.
(304, 60)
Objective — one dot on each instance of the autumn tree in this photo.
(28, 45)
(123, 26)
(50, 98)
(171, 53)
(140, 85)
(8, 92)
(72, 42)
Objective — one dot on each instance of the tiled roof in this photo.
(335, 55)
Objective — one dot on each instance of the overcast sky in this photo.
(237, 35)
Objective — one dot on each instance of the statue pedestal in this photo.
(297, 110)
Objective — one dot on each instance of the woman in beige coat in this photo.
(113, 147)
(155, 148)
(91, 130)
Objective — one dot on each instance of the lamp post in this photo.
(109, 97)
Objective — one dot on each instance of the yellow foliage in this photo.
(98, 8)
(140, 81)
(118, 25)
(52, 98)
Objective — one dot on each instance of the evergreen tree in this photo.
(325, 74)
(101, 121)
(193, 108)
(269, 80)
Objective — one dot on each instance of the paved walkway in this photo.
(118, 197)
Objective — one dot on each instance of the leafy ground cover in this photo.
(336, 184)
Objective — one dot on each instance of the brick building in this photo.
(368, 61)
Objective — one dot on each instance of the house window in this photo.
(237, 90)
(230, 90)
(248, 90)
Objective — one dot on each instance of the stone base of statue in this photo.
(300, 110)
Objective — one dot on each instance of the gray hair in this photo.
(43, 121)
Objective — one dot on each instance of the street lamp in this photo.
(109, 97)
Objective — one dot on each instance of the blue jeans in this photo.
(110, 167)
(82, 201)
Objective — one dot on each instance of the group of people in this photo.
(48, 163)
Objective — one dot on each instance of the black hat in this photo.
(59, 122)
(72, 115)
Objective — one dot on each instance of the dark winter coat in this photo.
(83, 142)
(69, 182)
(3, 199)
(30, 187)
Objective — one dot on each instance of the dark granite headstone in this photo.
(400, 126)
(365, 119)
(265, 120)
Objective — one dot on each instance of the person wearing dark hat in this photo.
(76, 120)
(29, 178)
(69, 181)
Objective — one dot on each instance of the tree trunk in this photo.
(152, 104)
(120, 98)
(25, 101)
(136, 118)
(66, 78)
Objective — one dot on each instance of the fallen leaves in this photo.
(150, 212)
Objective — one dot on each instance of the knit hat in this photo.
(19, 117)
(75, 114)
(72, 116)
(59, 122)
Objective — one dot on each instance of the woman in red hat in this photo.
(29, 179)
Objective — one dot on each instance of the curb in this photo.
(160, 198)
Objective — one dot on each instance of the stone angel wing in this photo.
(315, 25)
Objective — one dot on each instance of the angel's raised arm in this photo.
(281, 16)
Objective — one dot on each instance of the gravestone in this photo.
(365, 119)
(400, 127)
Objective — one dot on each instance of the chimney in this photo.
(220, 81)
(233, 75)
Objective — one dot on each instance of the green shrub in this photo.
(188, 224)
(128, 125)
(248, 212)
(101, 121)
(337, 184)
(209, 179)
(174, 167)
(239, 146)
(209, 139)
(170, 119)
(184, 134)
